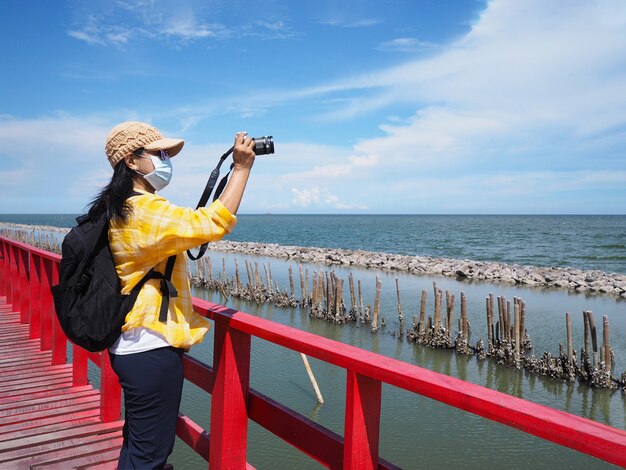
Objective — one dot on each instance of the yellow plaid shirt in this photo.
(153, 231)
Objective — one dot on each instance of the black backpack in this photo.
(88, 303)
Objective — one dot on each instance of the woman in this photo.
(145, 229)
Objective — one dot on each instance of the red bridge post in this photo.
(24, 263)
(14, 298)
(47, 306)
(229, 400)
(35, 296)
(362, 422)
(4, 267)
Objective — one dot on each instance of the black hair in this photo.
(112, 199)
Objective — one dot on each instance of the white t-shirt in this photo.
(138, 340)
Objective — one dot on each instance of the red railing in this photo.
(27, 275)
(28, 272)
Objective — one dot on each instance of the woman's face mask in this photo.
(162, 174)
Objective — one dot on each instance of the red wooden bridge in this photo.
(51, 417)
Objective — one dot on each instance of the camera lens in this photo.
(263, 145)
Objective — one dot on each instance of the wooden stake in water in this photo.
(437, 315)
(309, 371)
(423, 312)
(400, 316)
(587, 338)
(210, 268)
(361, 308)
(500, 318)
(250, 285)
(306, 283)
(238, 279)
(376, 304)
(508, 321)
(329, 293)
(267, 278)
(338, 295)
(522, 326)
(570, 345)
(605, 342)
(488, 307)
(291, 289)
(352, 294)
(271, 280)
(464, 316)
(314, 289)
(450, 312)
(594, 337)
(517, 328)
(302, 290)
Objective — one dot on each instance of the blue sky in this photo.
(506, 106)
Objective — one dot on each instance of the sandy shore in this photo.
(590, 281)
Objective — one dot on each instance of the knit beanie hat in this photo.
(129, 136)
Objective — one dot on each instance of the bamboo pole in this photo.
(522, 325)
(291, 288)
(309, 371)
(400, 316)
(488, 310)
(338, 295)
(306, 283)
(517, 313)
(257, 276)
(587, 336)
(451, 314)
(594, 337)
(303, 293)
(314, 289)
(438, 296)
(508, 321)
(250, 285)
(269, 269)
(376, 304)
(500, 318)
(361, 308)
(570, 345)
(238, 279)
(605, 342)
(464, 315)
(329, 293)
(352, 294)
(422, 324)
(267, 278)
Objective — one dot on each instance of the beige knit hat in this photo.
(129, 136)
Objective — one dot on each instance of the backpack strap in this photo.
(167, 287)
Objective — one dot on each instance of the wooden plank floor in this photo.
(45, 423)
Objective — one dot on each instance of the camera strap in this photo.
(208, 189)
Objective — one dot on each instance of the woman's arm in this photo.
(243, 157)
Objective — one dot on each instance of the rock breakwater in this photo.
(592, 281)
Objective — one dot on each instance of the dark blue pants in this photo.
(152, 382)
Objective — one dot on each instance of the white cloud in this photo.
(321, 198)
(404, 45)
(352, 23)
(90, 37)
(177, 23)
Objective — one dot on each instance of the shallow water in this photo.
(416, 431)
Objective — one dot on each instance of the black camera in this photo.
(263, 145)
